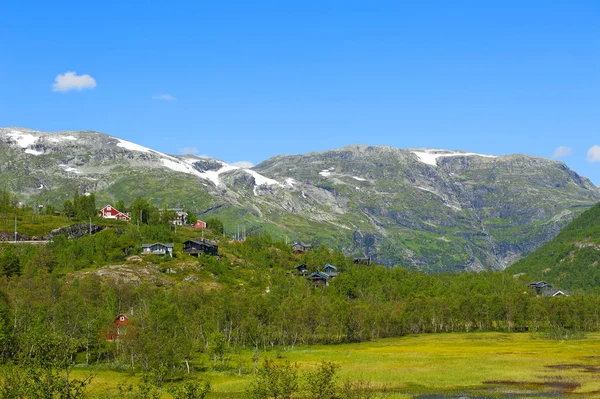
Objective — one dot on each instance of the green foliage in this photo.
(192, 390)
(120, 206)
(570, 260)
(10, 263)
(277, 381)
(7, 202)
(192, 218)
(320, 383)
(216, 225)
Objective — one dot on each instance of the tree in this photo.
(192, 218)
(68, 209)
(320, 383)
(10, 263)
(120, 206)
(277, 381)
(215, 225)
(192, 390)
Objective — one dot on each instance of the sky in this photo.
(244, 81)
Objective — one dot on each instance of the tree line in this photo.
(249, 298)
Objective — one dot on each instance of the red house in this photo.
(120, 322)
(110, 212)
(200, 225)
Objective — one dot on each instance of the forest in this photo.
(59, 303)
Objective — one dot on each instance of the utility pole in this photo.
(15, 229)
(90, 225)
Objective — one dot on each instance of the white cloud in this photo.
(188, 150)
(593, 154)
(562, 151)
(72, 81)
(164, 97)
(243, 164)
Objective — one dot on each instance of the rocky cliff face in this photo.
(430, 209)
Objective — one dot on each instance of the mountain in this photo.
(570, 260)
(435, 210)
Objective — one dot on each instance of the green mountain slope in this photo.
(432, 210)
(570, 260)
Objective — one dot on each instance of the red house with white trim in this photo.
(121, 322)
(200, 225)
(110, 212)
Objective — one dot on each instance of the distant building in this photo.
(180, 218)
(552, 292)
(302, 269)
(330, 270)
(200, 225)
(318, 279)
(117, 328)
(540, 286)
(545, 289)
(110, 212)
(300, 247)
(362, 261)
(157, 248)
(197, 247)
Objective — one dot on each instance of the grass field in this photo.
(473, 364)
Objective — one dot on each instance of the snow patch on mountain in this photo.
(23, 139)
(430, 157)
(68, 168)
(358, 178)
(128, 145)
(58, 139)
(262, 180)
(213, 175)
(179, 167)
(33, 152)
(290, 182)
(325, 173)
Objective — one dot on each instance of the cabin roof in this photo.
(201, 242)
(170, 245)
(318, 275)
(555, 293)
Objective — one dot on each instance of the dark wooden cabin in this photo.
(302, 269)
(318, 278)
(362, 261)
(197, 247)
(540, 286)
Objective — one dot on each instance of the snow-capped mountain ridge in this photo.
(39, 143)
(426, 208)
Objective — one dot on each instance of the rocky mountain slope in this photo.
(434, 210)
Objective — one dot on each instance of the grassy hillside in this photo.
(570, 260)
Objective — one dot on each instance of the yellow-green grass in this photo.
(431, 363)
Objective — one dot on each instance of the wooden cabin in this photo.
(330, 270)
(540, 286)
(197, 247)
(117, 328)
(362, 261)
(301, 247)
(301, 269)
(318, 279)
(157, 248)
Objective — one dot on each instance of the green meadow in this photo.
(473, 364)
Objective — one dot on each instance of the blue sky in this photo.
(250, 80)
